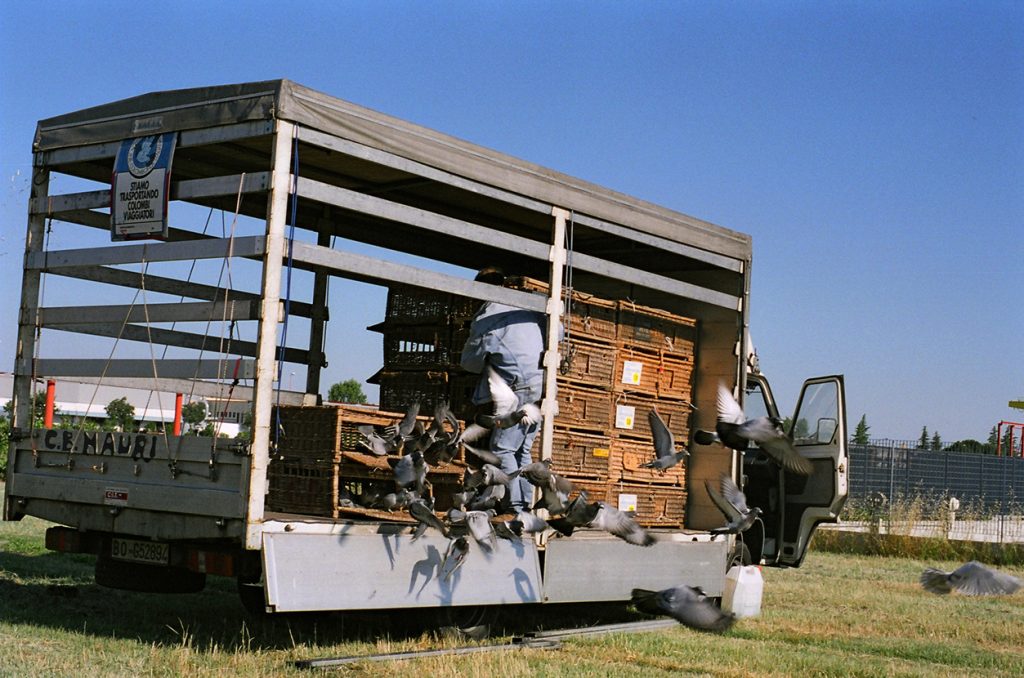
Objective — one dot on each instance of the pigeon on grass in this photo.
(687, 605)
(972, 579)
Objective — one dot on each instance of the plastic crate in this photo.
(401, 388)
(415, 305)
(418, 346)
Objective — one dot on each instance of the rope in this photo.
(567, 349)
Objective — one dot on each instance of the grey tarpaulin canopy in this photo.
(205, 107)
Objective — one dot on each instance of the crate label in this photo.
(600, 452)
(624, 416)
(631, 372)
(627, 502)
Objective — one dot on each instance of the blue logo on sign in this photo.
(143, 154)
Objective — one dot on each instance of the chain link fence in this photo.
(897, 487)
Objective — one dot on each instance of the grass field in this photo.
(838, 615)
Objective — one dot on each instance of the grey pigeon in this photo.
(504, 531)
(487, 498)
(578, 513)
(424, 515)
(527, 522)
(454, 556)
(621, 525)
(506, 411)
(665, 454)
(410, 471)
(396, 500)
(736, 431)
(552, 500)
(455, 516)
(538, 473)
(479, 456)
(494, 475)
(373, 441)
(733, 505)
(481, 529)
(407, 426)
(460, 499)
(972, 579)
(687, 605)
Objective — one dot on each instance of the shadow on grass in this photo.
(57, 591)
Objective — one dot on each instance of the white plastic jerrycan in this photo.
(743, 588)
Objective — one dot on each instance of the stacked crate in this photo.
(619, 361)
(318, 460)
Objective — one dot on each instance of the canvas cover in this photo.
(205, 107)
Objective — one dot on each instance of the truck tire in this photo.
(117, 574)
(740, 556)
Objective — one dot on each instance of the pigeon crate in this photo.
(628, 457)
(414, 305)
(307, 432)
(300, 485)
(401, 388)
(358, 472)
(654, 329)
(630, 417)
(585, 316)
(652, 372)
(461, 386)
(655, 505)
(577, 454)
(410, 347)
(587, 363)
(583, 407)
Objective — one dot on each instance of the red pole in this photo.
(51, 392)
(177, 414)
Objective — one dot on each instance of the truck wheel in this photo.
(253, 598)
(117, 574)
(471, 621)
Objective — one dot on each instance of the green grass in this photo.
(838, 615)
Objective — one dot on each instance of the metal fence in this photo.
(975, 497)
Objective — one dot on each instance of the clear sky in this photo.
(874, 150)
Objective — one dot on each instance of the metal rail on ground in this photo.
(535, 640)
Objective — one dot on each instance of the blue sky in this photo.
(874, 151)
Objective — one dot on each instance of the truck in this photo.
(316, 192)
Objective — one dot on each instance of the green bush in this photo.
(5, 432)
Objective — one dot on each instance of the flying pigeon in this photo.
(487, 498)
(686, 604)
(552, 500)
(454, 556)
(506, 414)
(972, 579)
(578, 513)
(425, 517)
(665, 452)
(373, 441)
(538, 473)
(527, 522)
(615, 522)
(733, 505)
(735, 431)
(481, 529)
(410, 470)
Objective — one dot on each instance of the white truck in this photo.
(320, 189)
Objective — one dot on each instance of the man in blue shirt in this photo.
(511, 341)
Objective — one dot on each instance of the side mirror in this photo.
(826, 430)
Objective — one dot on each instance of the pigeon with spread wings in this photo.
(736, 431)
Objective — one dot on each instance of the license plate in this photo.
(139, 551)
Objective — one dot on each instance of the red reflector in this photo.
(211, 562)
(63, 539)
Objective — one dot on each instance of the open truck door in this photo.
(795, 505)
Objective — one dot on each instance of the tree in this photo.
(936, 442)
(348, 391)
(193, 414)
(922, 443)
(38, 409)
(860, 434)
(120, 415)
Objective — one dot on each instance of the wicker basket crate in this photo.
(627, 459)
(586, 316)
(413, 305)
(587, 363)
(577, 454)
(675, 414)
(654, 373)
(654, 329)
(583, 407)
(302, 485)
(324, 432)
(656, 505)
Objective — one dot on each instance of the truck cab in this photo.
(793, 505)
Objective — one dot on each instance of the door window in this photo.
(817, 418)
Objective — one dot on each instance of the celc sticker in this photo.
(631, 372)
(115, 496)
(627, 502)
(624, 416)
